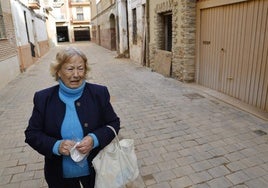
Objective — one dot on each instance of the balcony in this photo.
(33, 4)
(61, 18)
(80, 21)
(79, 2)
(58, 4)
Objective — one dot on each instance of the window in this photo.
(165, 31)
(79, 13)
(168, 32)
(134, 26)
(80, 16)
(2, 24)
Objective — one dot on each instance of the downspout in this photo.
(117, 28)
(147, 39)
(128, 50)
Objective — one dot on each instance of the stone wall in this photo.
(184, 48)
(183, 35)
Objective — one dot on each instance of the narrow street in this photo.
(183, 136)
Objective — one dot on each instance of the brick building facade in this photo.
(23, 37)
(9, 65)
(30, 31)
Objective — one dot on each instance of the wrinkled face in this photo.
(72, 73)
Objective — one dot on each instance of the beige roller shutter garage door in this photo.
(232, 50)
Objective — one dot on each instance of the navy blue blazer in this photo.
(44, 129)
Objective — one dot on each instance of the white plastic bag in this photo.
(116, 165)
(76, 155)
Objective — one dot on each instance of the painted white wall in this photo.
(135, 50)
(86, 12)
(51, 30)
(19, 23)
(122, 21)
(39, 27)
(40, 31)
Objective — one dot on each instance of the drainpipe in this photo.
(128, 50)
(147, 39)
(117, 29)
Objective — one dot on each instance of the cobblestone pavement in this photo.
(183, 137)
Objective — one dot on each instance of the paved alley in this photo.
(183, 136)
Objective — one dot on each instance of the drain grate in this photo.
(193, 96)
(260, 132)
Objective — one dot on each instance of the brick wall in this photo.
(9, 65)
(8, 45)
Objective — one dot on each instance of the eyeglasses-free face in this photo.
(72, 73)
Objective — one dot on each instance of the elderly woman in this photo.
(68, 122)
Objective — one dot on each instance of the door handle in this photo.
(230, 78)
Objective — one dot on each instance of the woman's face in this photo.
(73, 72)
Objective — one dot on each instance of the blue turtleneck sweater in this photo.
(71, 129)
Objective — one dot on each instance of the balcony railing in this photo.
(58, 4)
(80, 21)
(79, 2)
(34, 4)
(61, 18)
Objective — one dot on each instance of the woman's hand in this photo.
(86, 145)
(65, 147)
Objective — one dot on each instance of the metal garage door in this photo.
(233, 51)
(82, 34)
